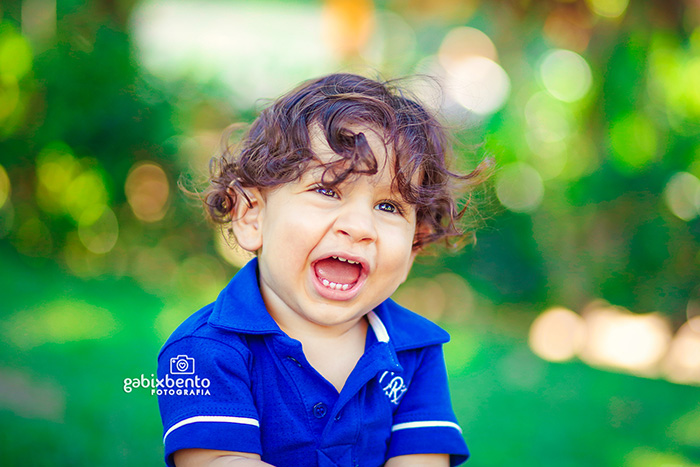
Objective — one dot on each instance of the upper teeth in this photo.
(340, 258)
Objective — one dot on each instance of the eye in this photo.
(387, 206)
(325, 191)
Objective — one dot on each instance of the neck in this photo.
(305, 331)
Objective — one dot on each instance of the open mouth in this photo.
(338, 273)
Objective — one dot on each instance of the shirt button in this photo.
(320, 410)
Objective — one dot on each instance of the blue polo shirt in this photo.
(230, 379)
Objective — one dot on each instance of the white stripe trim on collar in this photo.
(426, 424)
(378, 327)
(212, 418)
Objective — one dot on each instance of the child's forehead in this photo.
(376, 139)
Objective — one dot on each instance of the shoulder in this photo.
(226, 324)
(408, 330)
(196, 332)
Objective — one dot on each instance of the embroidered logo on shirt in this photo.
(393, 386)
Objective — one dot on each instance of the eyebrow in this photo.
(316, 169)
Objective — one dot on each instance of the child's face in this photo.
(329, 256)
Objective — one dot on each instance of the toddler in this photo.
(303, 359)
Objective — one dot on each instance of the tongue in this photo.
(340, 272)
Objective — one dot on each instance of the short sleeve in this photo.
(205, 398)
(424, 422)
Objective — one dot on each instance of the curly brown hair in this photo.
(277, 149)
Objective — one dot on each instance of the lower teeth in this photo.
(334, 286)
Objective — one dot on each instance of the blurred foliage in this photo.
(596, 196)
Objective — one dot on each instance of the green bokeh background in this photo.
(81, 106)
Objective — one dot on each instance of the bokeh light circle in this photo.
(566, 75)
(86, 196)
(4, 186)
(557, 334)
(682, 195)
(428, 85)
(519, 187)
(682, 362)
(464, 42)
(478, 84)
(634, 142)
(147, 191)
(68, 185)
(347, 25)
(15, 56)
(547, 118)
(608, 8)
(618, 338)
(98, 232)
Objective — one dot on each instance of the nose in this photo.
(356, 221)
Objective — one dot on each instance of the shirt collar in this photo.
(406, 329)
(240, 308)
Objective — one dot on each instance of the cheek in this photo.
(290, 231)
(404, 234)
(399, 249)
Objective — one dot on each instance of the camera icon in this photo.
(182, 365)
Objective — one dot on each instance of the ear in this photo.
(422, 231)
(247, 219)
